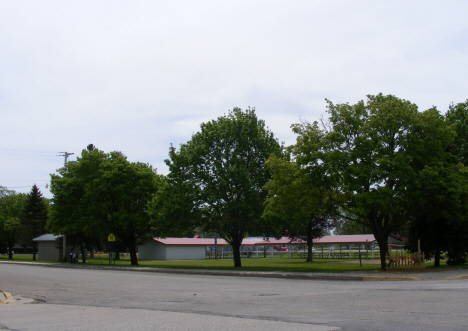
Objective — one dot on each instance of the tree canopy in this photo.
(299, 194)
(34, 218)
(216, 179)
(375, 150)
(11, 210)
(102, 193)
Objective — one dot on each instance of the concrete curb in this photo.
(389, 278)
(240, 273)
(457, 277)
(203, 272)
(8, 297)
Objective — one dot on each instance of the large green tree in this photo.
(34, 218)
(440, 193)
(11, 209)
(299, 194)
(216, 178)
(104, 193)
(440, 212)
(71, 214)
(376, 150)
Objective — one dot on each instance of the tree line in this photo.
(23, 217)
(379, 166)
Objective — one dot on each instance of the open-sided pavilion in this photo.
(340, 246)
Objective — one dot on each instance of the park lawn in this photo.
(248, 264)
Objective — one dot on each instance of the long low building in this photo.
(198, 248)
(182, 248)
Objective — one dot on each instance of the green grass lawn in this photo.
(248, 264)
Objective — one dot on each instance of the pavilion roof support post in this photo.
(367, 249)
(289, 250)
(271, 250)
(216, 246)
(350, 251)
(329, 252)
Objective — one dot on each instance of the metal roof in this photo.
(343, 239)
(46, 237)
(346, 239)
(280, 241)
(200, 241)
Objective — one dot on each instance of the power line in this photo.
(25, 152)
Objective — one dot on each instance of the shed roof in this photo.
(46, 237)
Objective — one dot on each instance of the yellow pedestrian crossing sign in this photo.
(111, 237)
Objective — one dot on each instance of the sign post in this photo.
(110, 239)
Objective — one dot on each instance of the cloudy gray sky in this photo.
(136, 76)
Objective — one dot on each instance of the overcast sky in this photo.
(136, 76)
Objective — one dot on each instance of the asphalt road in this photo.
(84, 299)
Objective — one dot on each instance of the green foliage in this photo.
(34, 218)
(216, 179)
(375, 150)
(11, 209)
(103, 193)
(458, 114)
(299, 193)
(70, 212)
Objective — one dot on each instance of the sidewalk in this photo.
(437, 274)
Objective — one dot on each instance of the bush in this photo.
(456, 258)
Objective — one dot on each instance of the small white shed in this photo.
(47, 248)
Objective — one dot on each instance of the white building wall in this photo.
(152, 250)
(48, 251)
(175, 252)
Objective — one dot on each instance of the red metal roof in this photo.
(200, 241)
(280, 241)
(344, 239)
(326, 240)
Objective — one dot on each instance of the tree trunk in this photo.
(133, 254)
(310, 243)
(236, 253)
(437, 258)
(10, 250)
(383, 248)
(34, 251)
(83, 254)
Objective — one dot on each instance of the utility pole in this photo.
(66, 154)
(64, 249)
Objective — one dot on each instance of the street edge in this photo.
(8, 298)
